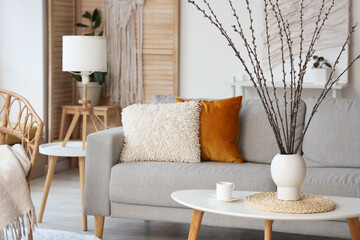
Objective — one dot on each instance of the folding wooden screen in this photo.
(61, 20)
(160, 50)
(160, 47)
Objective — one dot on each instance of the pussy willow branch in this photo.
(267, 102)
(325, 91)
(295, 103)
(339, 55)
(309, 54)
(315, 36)
(301, 33)
(269, 63)
(286, 29)
(310, 50)
(281, 34)
(237, 53)
(287, 132)
(261, 77)
(287, 32)
(328, 87)
(253, 54)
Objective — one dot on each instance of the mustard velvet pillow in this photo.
(219, 129)
(11, 139)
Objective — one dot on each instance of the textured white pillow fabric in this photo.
(165, 132)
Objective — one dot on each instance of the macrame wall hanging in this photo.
(125, 79)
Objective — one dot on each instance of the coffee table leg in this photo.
(354, 228)
(195, 224)
(268, 229)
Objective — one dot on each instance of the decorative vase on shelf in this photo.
(322, 75)
(288, 172)
(93, 92)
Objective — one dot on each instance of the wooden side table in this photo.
(103, 111)
(55, 150)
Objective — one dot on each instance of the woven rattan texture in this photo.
(309, 203)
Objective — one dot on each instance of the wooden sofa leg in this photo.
(99, 226)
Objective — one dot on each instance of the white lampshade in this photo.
(84, 54)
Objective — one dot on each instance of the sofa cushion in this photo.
(151, 183)
(256, 138)
(333, 136)
(165, 132)
(219, 129)
(343, 182)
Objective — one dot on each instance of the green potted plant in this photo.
(97, 79)
(322, 69)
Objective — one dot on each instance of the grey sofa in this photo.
(141, 190)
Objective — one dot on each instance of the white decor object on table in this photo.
(346, 208)
(224, 190)
(288, 172)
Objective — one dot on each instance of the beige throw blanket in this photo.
(16, 206)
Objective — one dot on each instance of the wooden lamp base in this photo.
(84, 111)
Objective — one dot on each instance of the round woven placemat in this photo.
(309, 203)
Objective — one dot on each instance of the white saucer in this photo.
(232, 199)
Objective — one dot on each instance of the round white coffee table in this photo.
(55, 150)
(346, 208)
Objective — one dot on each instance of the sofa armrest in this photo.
(102, 152)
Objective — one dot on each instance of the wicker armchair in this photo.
(20, 122)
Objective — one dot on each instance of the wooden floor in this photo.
(63, 212)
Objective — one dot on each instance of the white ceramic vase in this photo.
(93, 92)
(288, 172)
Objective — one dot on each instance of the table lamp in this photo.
(83, 55)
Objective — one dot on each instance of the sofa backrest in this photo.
(159, 99)
(256, 139)
(333, 137)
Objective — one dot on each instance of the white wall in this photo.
(207, 62)
(354, 74)
(22, 50)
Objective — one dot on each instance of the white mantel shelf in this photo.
(336, 89)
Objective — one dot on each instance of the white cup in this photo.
(224, 190)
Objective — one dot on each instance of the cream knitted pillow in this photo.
(165, 132)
